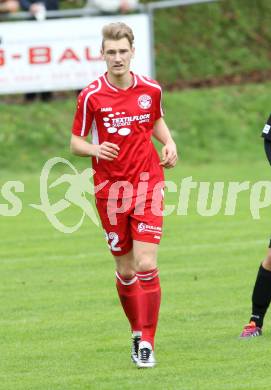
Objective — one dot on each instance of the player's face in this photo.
(117, 55)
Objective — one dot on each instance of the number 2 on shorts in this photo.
(114, 238)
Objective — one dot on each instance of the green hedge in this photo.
(212, 40)
(218, 124)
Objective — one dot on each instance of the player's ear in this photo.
(133, 52)
(102, 53)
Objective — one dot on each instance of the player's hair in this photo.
(116, 31)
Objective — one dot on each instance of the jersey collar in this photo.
(116, 89)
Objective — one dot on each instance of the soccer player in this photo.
(261, 296)
(123, 111)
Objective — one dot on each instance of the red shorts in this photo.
(125, 220)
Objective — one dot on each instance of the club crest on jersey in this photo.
(144, 101)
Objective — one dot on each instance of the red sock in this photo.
(150, 303)
(129, 293)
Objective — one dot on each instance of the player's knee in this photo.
(125, 271)
(125, 265)
(145, 263)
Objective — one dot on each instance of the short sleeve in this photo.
(158, 105)
(84, 115)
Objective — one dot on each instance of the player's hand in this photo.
(107, 151)
(169, 155)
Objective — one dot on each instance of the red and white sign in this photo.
(62, 54)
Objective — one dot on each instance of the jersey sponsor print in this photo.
(126, 118)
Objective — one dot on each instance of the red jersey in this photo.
(126, 118)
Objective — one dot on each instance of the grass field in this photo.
(62, 328)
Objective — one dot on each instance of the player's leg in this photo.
(129, 292)
(146, 228)
(261, 298)
(120, 243)
(145, 255)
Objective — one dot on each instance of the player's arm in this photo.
(266, 134)
(169, 151)
(267, 147)
(81, 147)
